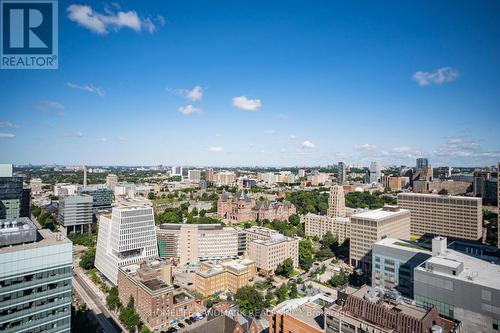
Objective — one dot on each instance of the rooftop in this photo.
(475, 270)
(402, 245)
(44, 238)
(381, 213)
(440, 196)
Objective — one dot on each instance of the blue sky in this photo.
(258, 83)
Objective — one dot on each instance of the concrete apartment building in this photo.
(75, 213)
(111, 181)
(393, 263)
(268, 254)
(35, 278)
(192, 243)
(319, 225)
(155, 299)
(126, 237)
(229, 275)
(442, 215)
(336, 201)
(372, 310)
(300, 315)
(194, 176)
(460, 286)
(36, 185)
(209, 175)
(371, 226)
(224, 178)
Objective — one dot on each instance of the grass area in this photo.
(84, 239)
(163, 201)
(412, 246)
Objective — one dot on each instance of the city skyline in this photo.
(256, 84)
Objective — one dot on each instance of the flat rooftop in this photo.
(402, 245)
(429, 195)
(44, 238)
(475, 270)
(381, 213)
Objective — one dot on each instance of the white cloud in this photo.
(282, 116)
(269, 131)
(218, 135)
(89, 88)
(6, 135)
(101, 23)
(188, 109)
(440, 76)
(195, 94)
(308, 145)
(292, 137)
(6, 124)
(76, 134)
(366, 147)
(122, 138)
(50, 106)
(244, 103)
(215, 149)
(103, 139)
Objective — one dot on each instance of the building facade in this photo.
(441, 215)
(102, 196)
(336, 201)
(319, 225)
(126, 237)
(14, 198)
(192, 243)
(75, 213)
(342, 169)
(369, 227)
(35, 278)
(194, 176)
(268, 254)
(460, 286)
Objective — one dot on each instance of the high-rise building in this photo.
(302, 173)
(35, 278)
(75, 213)
(342, 173)
(442, 215)
(393, 262)
(375, 172)
(191, 243)
(14, 198)
(102, 196)
(224, 178)
(111, 181)
(319, 225)
(194, 175)
(84, 175)
(209, 175)
(371, 226)
(126, 237)
(176, 171)
(422, 163)
(36, 185)
(336, 201)
(460, 286)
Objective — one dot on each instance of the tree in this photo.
(36, 211)
(339, 279)
(202, 213)
(113, 299)
(285, 268)
(282, 293)
(151, 195)
(443, 192)
(87, 259)
(145, 329)
(249, 300)
(328, 240)
(305, 254)
(269, 299)
(129, 318)
(294, 219)
(293, 290)
(194, 211)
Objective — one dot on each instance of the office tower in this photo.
(228, 275)
(342, 173)
(156, 300)
(422, 163)
(336, 201)
(176, 171)
(485, 186)
(375, 172)
(194, 175)
(75, 213)
(373, 310)
(111, 181)
(460, 286)
(393, 262)
(126, 237)
(102, 196)
(191, 243)
(439, 215)
(369, 227)
(36, 185)
(35, 278)
(14, 198)
(209, 175)
(302, 173)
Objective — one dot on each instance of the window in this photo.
(496, 324)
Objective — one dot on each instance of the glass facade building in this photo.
(14, 199)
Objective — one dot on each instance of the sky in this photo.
(267, 83)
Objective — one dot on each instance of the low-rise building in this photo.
(319, 225)
(229, 275)
(155, 299)
(371, 310)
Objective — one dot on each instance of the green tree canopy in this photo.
(249, 300)
(285, 268)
